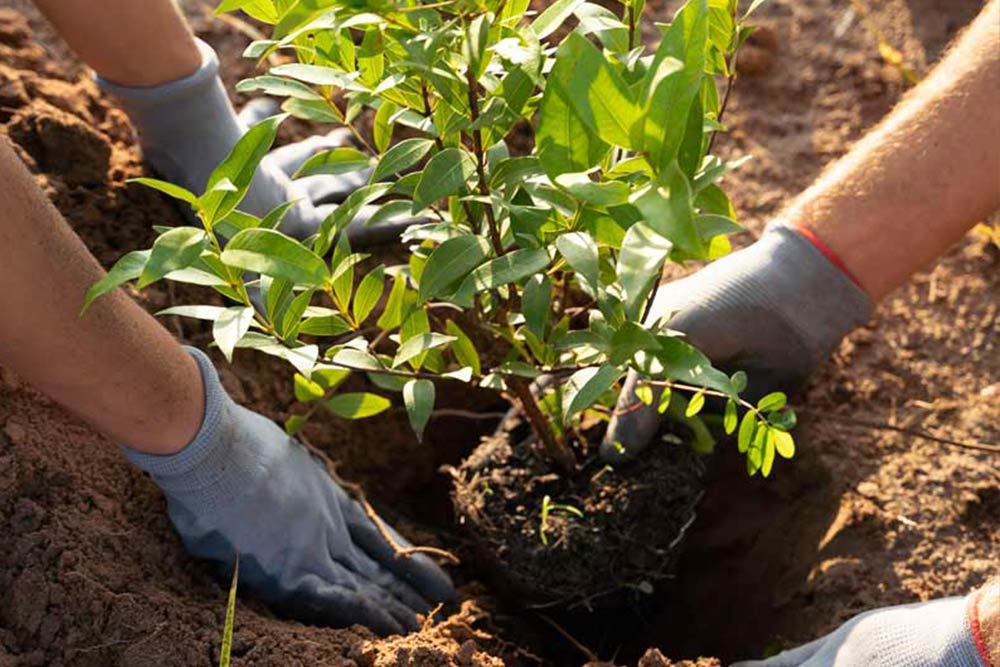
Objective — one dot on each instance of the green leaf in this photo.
(176, 249)
(208, 313)
(585, 386)
(279, 87)
(401, 157)
(294, 424)
(753, 7)
(382, 129)
(666, 207)
(307, 391)
(669, 96)
(239, 167)
(333, 162)
(392, 316)
(580, 250)
(231, 325)
(640, 266)
(345, 213)
(357, 405)
(175, 191)
(784, 443)
(601, 194)
(565, 141)
(419, 344)
(225, 651)
(773, 401)
(506, 269)
(446, 174)
(645, 394)
(730, 417)
(327, 324)
(595, 91)
(451, 262)
(554, 16)
(463, 348)
(129, 267)
(748, 426)
(317, 75)
(695, 405)
(536, 302)
(739, 380)
(767, 455)
(418, 396)
(368, 294)
(274, 217)
(262, 10)
(665, 397)
(272, 253)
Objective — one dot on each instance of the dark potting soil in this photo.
(611, 539)
(91, 574)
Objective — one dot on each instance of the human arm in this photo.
(167, 81)
(901, 197)
(953, 632)
(235, 483)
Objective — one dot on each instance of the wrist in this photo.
(223, 460)
(983, 614)
(815, 297)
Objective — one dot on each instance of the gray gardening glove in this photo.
(187, 127)
(927, 634)
(776, 310)
(244, 487)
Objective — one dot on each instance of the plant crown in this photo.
(552, 254)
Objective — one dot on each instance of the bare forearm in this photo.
(116, 367)
(915, 184)
(131, 43)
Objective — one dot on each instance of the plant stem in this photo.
(477, 143)
(558, 453)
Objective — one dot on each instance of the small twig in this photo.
(590, 655)
(356, 492)
(881, 426)
(467, 414)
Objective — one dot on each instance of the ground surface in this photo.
(91, 574)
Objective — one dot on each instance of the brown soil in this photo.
(622, 548)
(91, 573)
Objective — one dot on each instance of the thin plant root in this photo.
(358, 494)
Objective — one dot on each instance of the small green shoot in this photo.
(227, 630)
(548, 507)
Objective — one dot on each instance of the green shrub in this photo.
(554, 255)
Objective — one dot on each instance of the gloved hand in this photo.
(244, 487)
(926, 634)
(189, 126)
(776, 310)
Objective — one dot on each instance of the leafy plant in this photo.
(553, 253)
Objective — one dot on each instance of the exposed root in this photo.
(358, 494)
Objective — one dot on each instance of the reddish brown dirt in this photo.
(92, 575)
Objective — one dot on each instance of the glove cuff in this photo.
(220, 462)
(185, 127)
(825, 303)
(139, 99)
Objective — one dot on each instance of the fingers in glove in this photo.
(333, 189)
(367, 566)
(633, 426)
(257, 110)
(322, 603)
(791, 658)
(417, 571)
(363, 235)
(291, 157)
